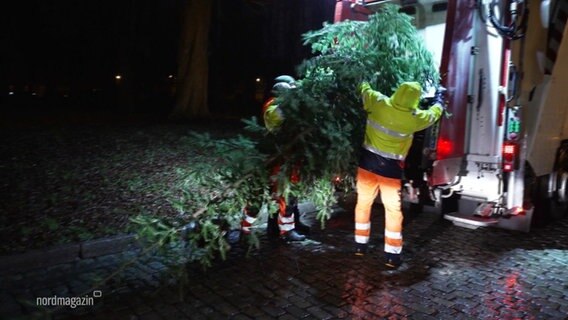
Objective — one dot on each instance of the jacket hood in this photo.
(407, 96)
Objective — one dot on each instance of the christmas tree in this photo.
(321, 134)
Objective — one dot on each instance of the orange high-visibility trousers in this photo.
(249, 218)
(368, 187)
(286, 215)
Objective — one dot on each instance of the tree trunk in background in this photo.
(193, 68)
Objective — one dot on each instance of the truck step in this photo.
(469, 221)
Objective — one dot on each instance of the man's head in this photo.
(407, 96)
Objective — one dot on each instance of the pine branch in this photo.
(323, 129)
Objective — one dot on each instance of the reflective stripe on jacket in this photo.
(392, 121)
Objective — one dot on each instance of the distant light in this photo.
(33, 93)
(11, 93)
(118, 77)
(257, 79)
(171, 76)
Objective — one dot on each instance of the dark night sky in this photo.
(89, 41)
(76, 46)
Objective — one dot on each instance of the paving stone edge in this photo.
(42, 258)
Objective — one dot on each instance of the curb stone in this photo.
(60, 254)
(40, 258)
(104, 246)
(89, 249)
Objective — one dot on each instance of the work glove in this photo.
(440, 96)
(440, 99)
(360, 85)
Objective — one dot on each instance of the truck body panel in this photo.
(498, 157)
(549, 109)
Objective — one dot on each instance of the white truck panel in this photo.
(482, 180)
(547, 115)
(485, 133)
(559, 89)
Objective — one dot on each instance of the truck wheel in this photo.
(535, 195)
(557, 209)
(547, 207)
(558, 202)
(541, 213)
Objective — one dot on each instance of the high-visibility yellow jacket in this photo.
(392, 121)
(272, 115)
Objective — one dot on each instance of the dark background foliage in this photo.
(65, 54)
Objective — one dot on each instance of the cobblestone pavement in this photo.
(449, 273)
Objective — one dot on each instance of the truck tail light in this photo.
(337, 179)
(510, 156)
(444, 148)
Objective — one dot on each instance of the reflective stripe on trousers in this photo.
(285, 216)
(285, 221)
(247, 221)
(368, 187)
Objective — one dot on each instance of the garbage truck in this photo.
(501, 158)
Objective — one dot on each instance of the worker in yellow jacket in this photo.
(391, 123)
(288, 213)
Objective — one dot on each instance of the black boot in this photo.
(272, 229)
(234, 236)
(298, 225)
(360, 249)
(392, 260)
(302, 228)
(292, 236)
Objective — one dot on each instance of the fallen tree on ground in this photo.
(323, 129)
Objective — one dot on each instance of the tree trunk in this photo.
(193, 64)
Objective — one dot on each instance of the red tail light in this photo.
(444, 148)
(510, 155)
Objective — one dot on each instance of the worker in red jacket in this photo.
(288, 213)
